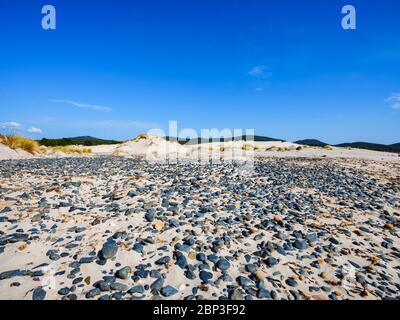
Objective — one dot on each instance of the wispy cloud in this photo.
(34, 130)
(260, 72)
(12, 125)
(81, 105)
(394, 101)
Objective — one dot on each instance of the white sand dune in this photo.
(156, 147)
(7, 153)
(151, 146)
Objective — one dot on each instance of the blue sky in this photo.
(113, 69)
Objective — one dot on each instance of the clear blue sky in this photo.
(113, 69)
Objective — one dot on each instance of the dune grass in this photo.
(14, 142)
(247, 147)
(71, 150)
(140, 137)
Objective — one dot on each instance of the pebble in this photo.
(205, 276)
(223, 264)
(109, 250)
(168, 291)
(123, 273)
(38, 294)
(228, 236)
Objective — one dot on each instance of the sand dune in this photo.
(156, 147)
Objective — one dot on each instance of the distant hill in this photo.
(312, 143)
(395, 145)
(204, 140)
(84, 140)
(371, 146)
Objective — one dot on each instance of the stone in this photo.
(236, 294)
(291, 282)
(163, 260)
(223, 264)
(136, 289)
(109, 250)
(168, 291)
(38, 294)
(205, 276)
(123, 273)
(159, 225)
(92, 293)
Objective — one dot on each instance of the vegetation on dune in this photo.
(83, 141)
(71, 150)
(14, 142)
(140, 137)
(247, 147)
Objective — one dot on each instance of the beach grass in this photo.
(71, 150)
(14, 142)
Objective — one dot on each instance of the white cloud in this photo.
(15, 126)
(81, 105)
(34, 130)
(260, 72)
(394, 101)
(260, 89)
(12, 125)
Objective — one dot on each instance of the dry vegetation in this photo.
(71, 150)
(14, 142)
(140, 137)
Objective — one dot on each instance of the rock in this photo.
(260, 276)
(319, 297)
(109, 250)
(63, 291)
(168, 291)
(137, 289)
(291, 282)
(138, 247)
(223, 264)
(149, 216)
(159, 225)
(182, 262)
(250, 267)
(263, 294)
(389, 226)
(205, 276)
(201, 257)
(119, 286)
(334, 240)
(87, 260)
(301, 245)
(92, 293)
(271, 261)
(236, 295)
(38, 294)
(163, 260)
(324, 275)
(243, 281)
(253, 230)
(11, 274)
(123, 273)
(157, 284)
